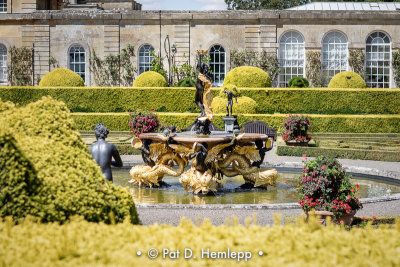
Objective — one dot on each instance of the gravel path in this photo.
(218, 214)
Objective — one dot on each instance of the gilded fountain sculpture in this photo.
(212, 155)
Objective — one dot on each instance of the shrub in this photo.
(324, 185)
(71, 181)
(142, 121)
(150, 79)
(80, 243)
(62, 77)
(298, 82)
(295, 128)
(245, 105)
(247, 77)
(186, 82)
(347, 79)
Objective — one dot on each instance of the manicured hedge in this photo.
(283, 150)
(269, 100)
(320, 123)
(80, 243)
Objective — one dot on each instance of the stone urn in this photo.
(322, 217)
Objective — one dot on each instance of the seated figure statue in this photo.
(103, 152)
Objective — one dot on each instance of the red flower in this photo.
(374, 217)
(362, 218)
(352, 190)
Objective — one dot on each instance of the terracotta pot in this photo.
(297, 143)
(322, 216)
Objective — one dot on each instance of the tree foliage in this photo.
(262, 4)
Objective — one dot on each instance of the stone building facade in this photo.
(70, 31)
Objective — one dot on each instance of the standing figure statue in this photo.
(230, 94)
(103, 152)
(203, 83)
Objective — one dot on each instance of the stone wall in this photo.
(53, 32)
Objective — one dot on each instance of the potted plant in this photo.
(295, 130)
(142, 121)
(325, 187)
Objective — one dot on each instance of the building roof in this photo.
(349, 6)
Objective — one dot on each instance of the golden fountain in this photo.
(213, 155)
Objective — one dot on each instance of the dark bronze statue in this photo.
(103, 152)
(229, 103)
(200, 153)
(204, 69)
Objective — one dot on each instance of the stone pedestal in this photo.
(230, 122)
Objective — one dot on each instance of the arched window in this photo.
(145, 58)
(3, 63)
(77, 60)
(377, 60)
(3, 6)
(217, 64)
(291, 57)
(334, 54)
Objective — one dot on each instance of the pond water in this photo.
(230, 193)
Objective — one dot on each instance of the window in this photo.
(77, 60)
(3, 63)
(217, 64)
(145, 57)
(3, 6)
(334, 55)
(377, 60)
(291, 57)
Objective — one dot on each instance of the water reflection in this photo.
(230, 193)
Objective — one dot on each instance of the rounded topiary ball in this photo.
(245, 105)
(62, 77)
(298, 82)
(347, 79)
(247, 77)
(150, 79)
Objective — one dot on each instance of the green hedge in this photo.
(320, 123)
(269, 100)
(283, 150)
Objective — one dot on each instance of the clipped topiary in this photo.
(62, 78)
(347, 79)
(150, 79)
(298, 82)
(186, 82)
(71, 182)
(245, 105)
(247, 77)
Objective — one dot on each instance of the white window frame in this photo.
(145, 58)
(75, 63)
(218, 76)
(335, 54)
(291, 57)
(378, 58)
(3, 6)
(3, 63)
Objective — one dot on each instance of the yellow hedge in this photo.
(320, 123)
(245, 105)
(80, 243)
(150, 79)
(47, 171)
(62, 77)
(247, 77)
(347, 79)
(270, 100)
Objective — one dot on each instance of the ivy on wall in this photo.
(396, 66)
(20, 69)
(356, 61)
(263, 60)
(114, 70)
(313, 69)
